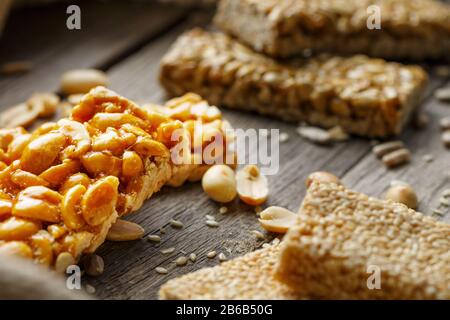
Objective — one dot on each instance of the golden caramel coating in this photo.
(64, 185)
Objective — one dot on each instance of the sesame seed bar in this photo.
(417, 30)
(64, 185)
(343, 240)
(366, 97)
(249, 277)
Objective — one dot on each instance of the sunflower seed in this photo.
(181, 261)
(161, 270)
(176, 223)
(222, 257)
(211, 254)
(193, 257)
(258, 234)
(212, 223)
(154, 238)
(168, 250)
(384, 148)
(442, 94)
(223, 210)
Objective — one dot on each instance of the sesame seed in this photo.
(446, 193)
(223, 210)
(154, 238)
(162, 230)
(193, 257)
(275, 241)
(212, 223)
(284, 137)
(266, 245)
(438, 212)
(222, 257)
(428, 158)
(168, 250)
(176, 224)
(181, 261)
(90, 289)
(208, 217)
(211, 254)
(444, 201)
(258, 235)
(183, 252)
(161, 270)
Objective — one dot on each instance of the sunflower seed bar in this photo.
(347, 245)
(366, 97)
(416, 30)
(249, 277)
(64, 185)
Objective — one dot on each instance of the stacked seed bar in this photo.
(366, 97)
(63, 185)
(250, 277)
(342, 238)
(416, 29)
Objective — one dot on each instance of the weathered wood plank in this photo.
(136, 77)
(109, 31)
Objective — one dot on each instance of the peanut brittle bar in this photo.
(64, 185)
(342, 238)
(249, 277)
(416, 30)
(366, 97)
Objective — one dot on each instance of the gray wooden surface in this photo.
(128, 41)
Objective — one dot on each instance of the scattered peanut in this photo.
(219, 183)
(82, 80)
(402, 193)
(45, 103)
(322, 176)
(63, 261)
(123, 230)
(277, 219)
(252, 186)
(18, 116)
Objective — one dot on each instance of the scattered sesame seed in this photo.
(223, 210)
(428, 158)
(208, 217)
(258, 235)
(168, 250)
(193, 257)
(394, 183)
(90, 289)
(154, 238)
(446, 193)
(222, 257)
(438, 212)
(275, 241)
(176, 223)
(162, 230)
(284, 137)
(183, 252)
(444, 201)
(181, 261)
(266, 245)
(161, 270)
(212, 223)
(211, 254)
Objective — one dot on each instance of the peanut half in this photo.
(402, 193)
(277, 219)
(219, 183)
(252, 186)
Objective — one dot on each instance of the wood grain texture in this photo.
(129, 272)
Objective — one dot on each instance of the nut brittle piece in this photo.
(250, 277)
(364, 96)
(393, 29)
(64, 185)
(343, 240)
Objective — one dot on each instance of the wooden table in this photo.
(127, 41)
